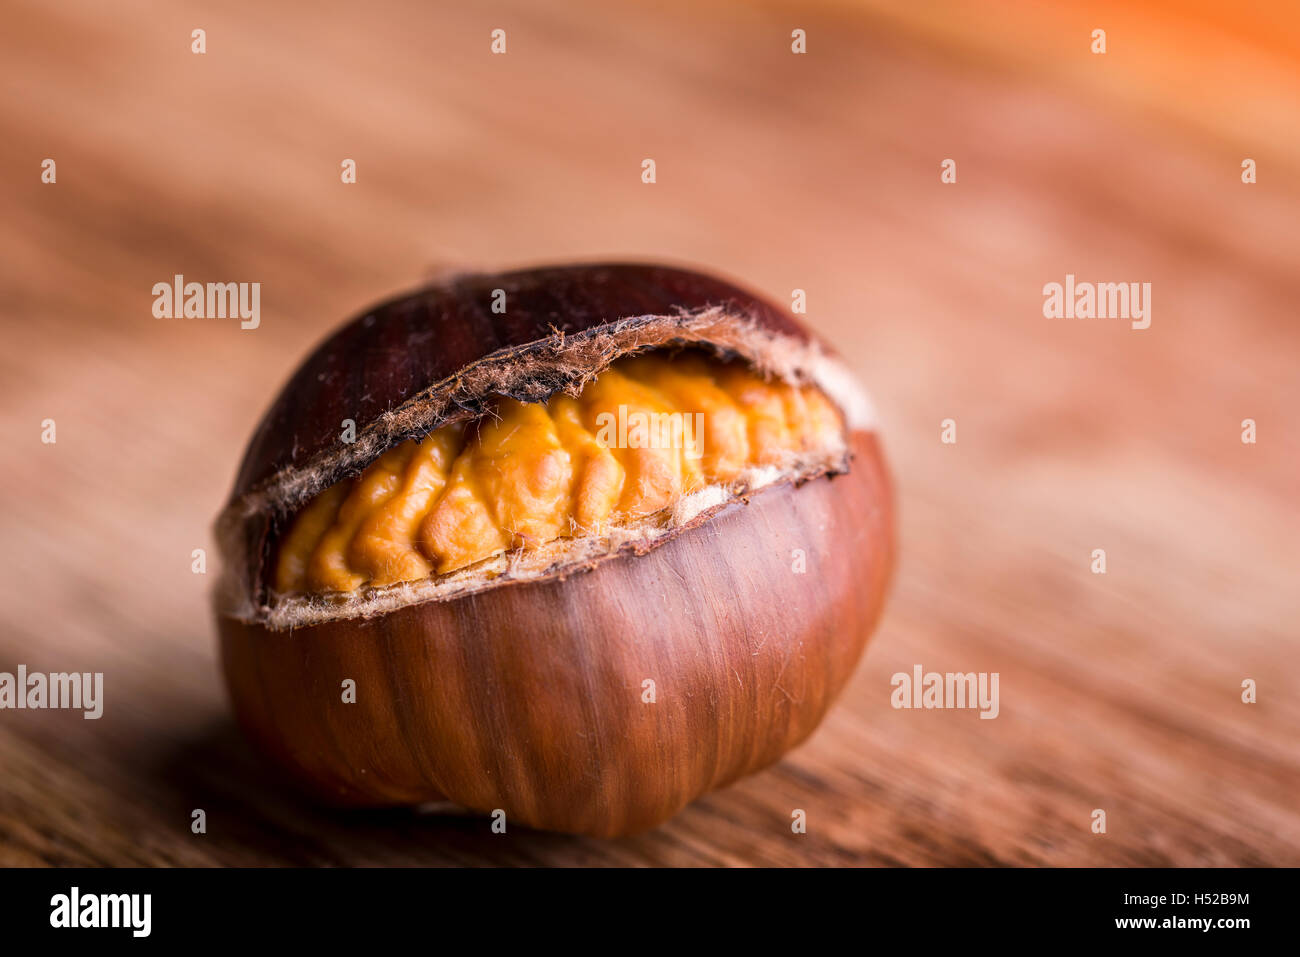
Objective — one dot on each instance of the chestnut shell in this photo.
(392, 352)
(531, 697)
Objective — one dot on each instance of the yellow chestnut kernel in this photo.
(640, 436)
(634, 421)
(764, 412)
(308, 529)
(796, 415)
(823, 425)
(510, 487)
(460, 530)
(328, 569)
(384, 547)
(525, 473)
(692, 385)
(599, 476)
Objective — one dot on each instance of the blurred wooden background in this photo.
(818, 171)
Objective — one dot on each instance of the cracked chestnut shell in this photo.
(522, 685)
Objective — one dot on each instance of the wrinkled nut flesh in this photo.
(580, 561)
(645, 432)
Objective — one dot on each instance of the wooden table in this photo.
(1119, 692)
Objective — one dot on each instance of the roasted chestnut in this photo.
(578, 544)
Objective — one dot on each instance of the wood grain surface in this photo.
(818, 171)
